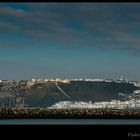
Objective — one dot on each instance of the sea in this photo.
(70, 122)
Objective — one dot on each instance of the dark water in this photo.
(70, 122)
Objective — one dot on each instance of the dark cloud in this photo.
(8, 11)
(104, 25)
(9, 27)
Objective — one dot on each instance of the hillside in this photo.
(46, 94)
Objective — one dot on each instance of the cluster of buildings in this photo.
(29, 83)
(67, 80)
(116, 104)
(61, 80)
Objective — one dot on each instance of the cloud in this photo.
(9, 27)
(102, 25)
(8, 11)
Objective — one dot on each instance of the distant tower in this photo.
(121, 78)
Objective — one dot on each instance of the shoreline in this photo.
(45, 113)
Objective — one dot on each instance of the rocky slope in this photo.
(45, 94)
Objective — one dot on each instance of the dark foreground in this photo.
(45, 113)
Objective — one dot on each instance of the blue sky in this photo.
(40, 40)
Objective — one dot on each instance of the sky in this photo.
(69, 40)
